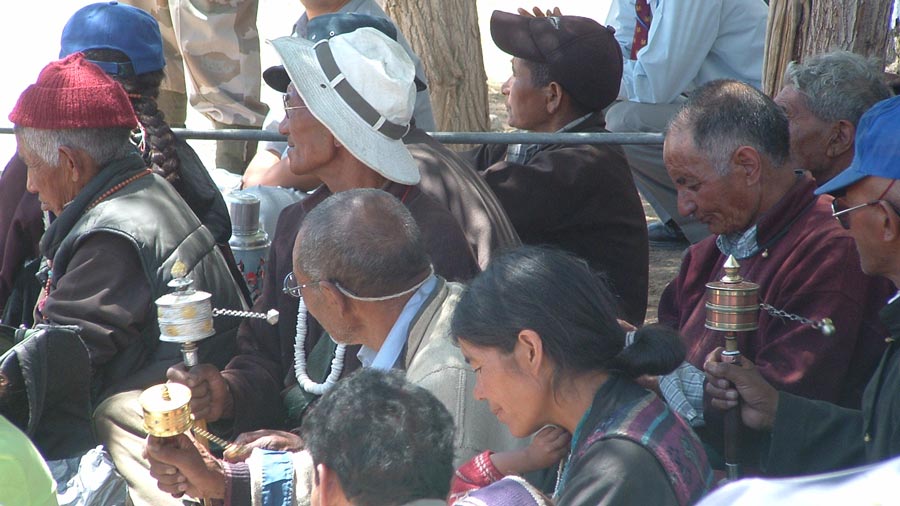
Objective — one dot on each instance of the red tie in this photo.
(641, 27)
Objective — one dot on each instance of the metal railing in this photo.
(444, 137)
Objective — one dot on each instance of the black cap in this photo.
(583, 55)
(327, 26)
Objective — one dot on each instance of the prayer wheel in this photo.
(166, 409)
(732, 303)
(732, 306)
(185, 316)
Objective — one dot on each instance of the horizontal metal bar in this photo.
(445, 137)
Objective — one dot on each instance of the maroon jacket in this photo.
(809, 266)
(264, 365)
(582, 199)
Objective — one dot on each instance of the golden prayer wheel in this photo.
(732, 303)
(167, 409)
(167, 413)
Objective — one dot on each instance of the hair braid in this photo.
(143, 90)
(160, 141)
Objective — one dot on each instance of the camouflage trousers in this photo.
(216, 42)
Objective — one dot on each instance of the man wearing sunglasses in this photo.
(814, 436)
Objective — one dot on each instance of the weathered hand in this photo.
(726, 383)
(536, 12)
(265, 439)
(180, 467)
(211, 398)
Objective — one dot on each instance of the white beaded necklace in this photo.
(337, 363)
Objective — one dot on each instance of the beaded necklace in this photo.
(337, 363)
(118, 187)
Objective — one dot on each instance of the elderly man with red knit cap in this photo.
(118, 232)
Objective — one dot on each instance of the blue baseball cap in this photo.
(877, 147)
(111, 25)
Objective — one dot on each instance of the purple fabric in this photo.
(508, 491)
(21, 224)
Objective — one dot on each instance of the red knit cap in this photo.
(73, 93)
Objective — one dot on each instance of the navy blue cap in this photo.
(111, 25)
(877, 147)
(327, 26)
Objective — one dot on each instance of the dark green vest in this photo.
(151, 215)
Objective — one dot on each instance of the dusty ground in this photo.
(664, 263)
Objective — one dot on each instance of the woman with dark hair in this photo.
(539, 328)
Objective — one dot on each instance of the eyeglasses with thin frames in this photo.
(842, 213)
(292, 288)
(288, 108)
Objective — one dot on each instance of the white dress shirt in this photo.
(691, 42)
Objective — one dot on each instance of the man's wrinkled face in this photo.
(311, 146)
(525, 103)
(51, 183)
(866, 224)
(724, 203)
(810, 134)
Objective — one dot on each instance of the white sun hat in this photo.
(361, 86)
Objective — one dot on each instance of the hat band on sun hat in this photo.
(352, 98)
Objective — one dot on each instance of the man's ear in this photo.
(328, 487)
(747, 160)
(890, 227)
(334, 297)
(69, 160)
(841, 138)
(553, 93)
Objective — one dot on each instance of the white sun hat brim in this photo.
(383, 154)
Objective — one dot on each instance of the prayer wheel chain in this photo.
(241, 314)
(825, 325)
(225, 445)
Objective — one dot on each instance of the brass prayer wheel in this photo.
(732, 303)
(167, 409)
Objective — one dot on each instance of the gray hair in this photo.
(725, 114)
(103, 145)
(838, 85)
(365, 239)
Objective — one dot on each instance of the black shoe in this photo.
(666, 235)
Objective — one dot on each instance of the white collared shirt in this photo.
(387, 356)
(690, 43)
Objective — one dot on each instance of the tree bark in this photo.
(800, 28)
(445, 35)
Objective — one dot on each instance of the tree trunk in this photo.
(445, 35)
(800, 28)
